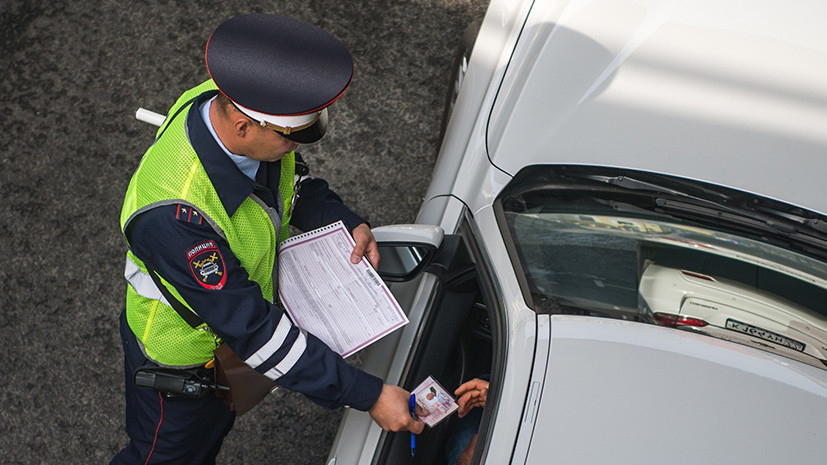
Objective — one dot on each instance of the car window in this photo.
(606, 254)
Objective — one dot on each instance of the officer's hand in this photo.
(391, 411)
(365, 245)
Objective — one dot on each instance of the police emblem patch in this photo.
(207, 265)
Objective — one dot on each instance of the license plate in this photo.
(765, 335)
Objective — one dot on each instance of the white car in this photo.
(626, 233)
(734, 311)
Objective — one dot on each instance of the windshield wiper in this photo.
(632, 183)
(809, 233)
(759, 215)
(812, 223)
(749, 222)
(731, 215)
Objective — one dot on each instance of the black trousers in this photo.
(169, 430)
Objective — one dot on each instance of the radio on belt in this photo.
(174, 382)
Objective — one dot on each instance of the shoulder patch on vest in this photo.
(188, 214)
(207, 265)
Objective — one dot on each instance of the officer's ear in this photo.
(243, 126)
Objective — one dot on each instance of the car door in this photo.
(445, 287)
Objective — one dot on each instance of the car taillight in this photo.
(674, 321)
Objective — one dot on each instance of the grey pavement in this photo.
(73, 74)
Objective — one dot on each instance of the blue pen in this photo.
(412, 408)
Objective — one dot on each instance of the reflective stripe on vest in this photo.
(142, 282)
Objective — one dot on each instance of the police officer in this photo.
(204, 212)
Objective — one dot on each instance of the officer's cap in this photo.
(280, 72)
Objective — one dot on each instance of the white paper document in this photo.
(345, 305)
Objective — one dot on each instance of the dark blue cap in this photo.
(279, 71)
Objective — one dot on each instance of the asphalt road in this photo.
(73, 75)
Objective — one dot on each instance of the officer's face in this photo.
(268, 145)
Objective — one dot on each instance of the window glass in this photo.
(577, 257)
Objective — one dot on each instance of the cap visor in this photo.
(311, 133)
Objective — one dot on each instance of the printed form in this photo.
(345, 305)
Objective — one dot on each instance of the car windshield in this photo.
(579, 255)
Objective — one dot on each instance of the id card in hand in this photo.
(434, 398)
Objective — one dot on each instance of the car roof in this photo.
(659, 395)
(733, 93)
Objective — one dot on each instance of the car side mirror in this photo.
(406, 249)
